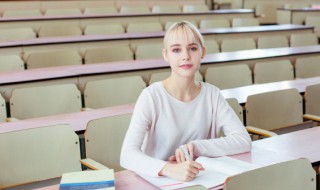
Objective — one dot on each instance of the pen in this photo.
(186, 153)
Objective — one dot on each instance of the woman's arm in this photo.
(236, 138)
(132, 157)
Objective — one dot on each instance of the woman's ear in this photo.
(203, 52)
(164, 54)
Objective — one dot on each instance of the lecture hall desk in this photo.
(134, 39)
(241, 93)
(82, 73)
(299, 144)
(295, 16)
(83, 20)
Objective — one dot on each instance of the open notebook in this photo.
(217, 170)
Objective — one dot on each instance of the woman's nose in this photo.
(186, 55)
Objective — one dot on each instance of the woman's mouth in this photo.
(186, 66)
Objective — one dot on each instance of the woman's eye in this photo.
(194, 49)
(176, 50)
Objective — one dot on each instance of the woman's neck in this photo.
(183, 89)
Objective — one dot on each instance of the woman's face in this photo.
(183, 52)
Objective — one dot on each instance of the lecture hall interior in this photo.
(71, 72)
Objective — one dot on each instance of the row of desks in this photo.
(295, 16)
(300, 144)
(82, 73)
(78, 120)
(133, 39)
(83, 20)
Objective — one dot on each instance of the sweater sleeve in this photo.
(132, 157)
(236, 138)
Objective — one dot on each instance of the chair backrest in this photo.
(100, 10)
(307, 39)
(234, 104)
(267, 11)
(237, 44)
(307, 67)
(229, 76)
(55, 31)
(108, 54)
(293, 174)
(63, 12)
(240, 22)
(216, 23)
(272, 42)
(13, 34)
(144, 27)
(273, 71)
(166, 9)
(134, 9)
(296, 5)
(11, 63)
(274, 110)
(22, 13)
(194, 8)
(212, 46)
(113, 91)
(149, 51)
(37, 154)
(104, 29)
(3, 109)
(39, 101)
(312, 100)
(313, 21)
(53, 58)
(159, 76)
(104, 138)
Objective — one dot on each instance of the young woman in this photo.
(180, 112)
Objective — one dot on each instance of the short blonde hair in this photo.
(186, 27)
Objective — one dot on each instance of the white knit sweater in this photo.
(161, 123)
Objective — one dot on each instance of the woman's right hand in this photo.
(185, 171)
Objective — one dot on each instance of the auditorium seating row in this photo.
(124, 90)
(104, 10)
(42, 6)
(102, 54)
(313, 21)
(266, 11)
(231, 76)
(55, 30)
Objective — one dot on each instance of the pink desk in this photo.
(242, 93)
(218, 34)
(247, 56)
(264, 152)
(295, 16)
(299, 144)
(78, 120)
(127, 180)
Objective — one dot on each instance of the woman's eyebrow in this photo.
(174, 45)
(192, 44)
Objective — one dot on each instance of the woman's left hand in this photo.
(180, 156)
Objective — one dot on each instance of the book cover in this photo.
(93, 179)
(217, 170)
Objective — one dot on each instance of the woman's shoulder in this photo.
(210, 87)
(153, 88)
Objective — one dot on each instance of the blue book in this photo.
(93, 179)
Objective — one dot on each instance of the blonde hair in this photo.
(188, 28)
